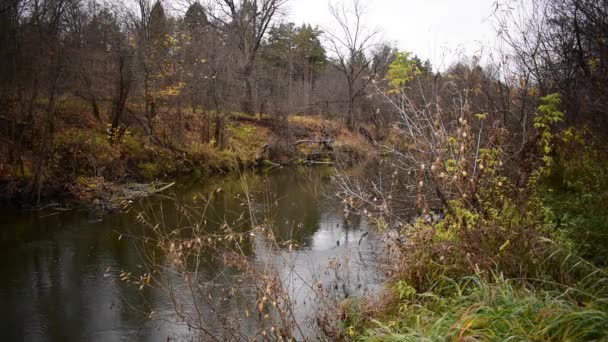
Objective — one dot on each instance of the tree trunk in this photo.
(95, 108)
(88, 82)
(122, 94)
(46, 139)
(219, 130)
(248, 101)
(350, 119)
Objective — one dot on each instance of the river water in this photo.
(54, 266)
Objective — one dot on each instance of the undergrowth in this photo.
(505, 262)
(501, 310)
(88, 152)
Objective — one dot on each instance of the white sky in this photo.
(435, 29)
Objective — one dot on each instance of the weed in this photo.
(494, 311)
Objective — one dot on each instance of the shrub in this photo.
(351, 147)
(133, 145)
(498, 234)
(213, 159)
(575, 191)
(149, 170)
(86, 153)
(247, 140)
(550, 233)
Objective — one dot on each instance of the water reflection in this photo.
(55, 286)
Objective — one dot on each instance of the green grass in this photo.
(499, 311)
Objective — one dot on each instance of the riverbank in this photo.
(510, 256)
(87, 166)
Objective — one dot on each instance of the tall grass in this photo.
(503, 310)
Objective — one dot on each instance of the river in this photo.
(59, 270)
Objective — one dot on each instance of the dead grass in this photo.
(315, 124)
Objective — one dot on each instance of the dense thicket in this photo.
(560, 46)
(137, 66)
(493, 183)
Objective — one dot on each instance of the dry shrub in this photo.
(315, 124)
(251, 254)
(213, 159)
(81, 152)
(352, 148)
(501, 235)
(466, 218)
(471, 221)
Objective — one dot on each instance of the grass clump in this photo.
(501, 310)
(212, 159)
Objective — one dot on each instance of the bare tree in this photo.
(349, 47)
(149, 27)
(560, 46)
(247, 22)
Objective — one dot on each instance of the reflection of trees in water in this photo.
(246, 277)
(69, 254)
(56, 282)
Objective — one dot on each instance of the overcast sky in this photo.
(433, 29)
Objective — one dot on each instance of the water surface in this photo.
(53, 265)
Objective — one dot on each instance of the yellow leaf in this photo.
(505, 245)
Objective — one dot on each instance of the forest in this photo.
(475, 193)
(121, 91)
